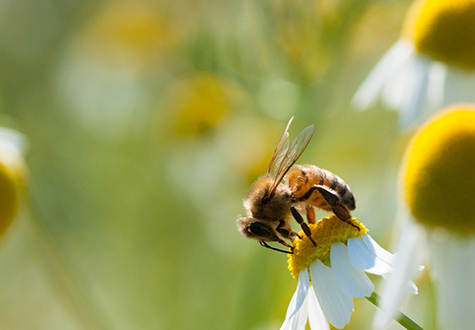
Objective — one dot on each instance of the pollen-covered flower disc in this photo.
(326, 232)
(444, 30)
(439, 171)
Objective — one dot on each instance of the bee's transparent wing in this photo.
(293, 152)
(279, 152)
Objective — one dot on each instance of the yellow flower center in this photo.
(439, 171)
(444, 30)
(325, 232)
(9, 198)
(200, 102)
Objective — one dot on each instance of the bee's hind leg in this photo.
(333, 199)
(302, 223)
(310, 214)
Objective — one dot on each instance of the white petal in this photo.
(454, 272)
(298, 320)
(394, 94)
(416, 91)
(353, 281)
(436, 87)
(367, 255)
(316, 319)
(382, 72)
(409, 256)
(13, 145)
(298, 298)
(336, 304)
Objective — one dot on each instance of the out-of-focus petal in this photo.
(409, 256)
(13, 141)
(435, 89)
(353, 281)
(416, 91)
(454, 269)
(387, 66)
(336, 304)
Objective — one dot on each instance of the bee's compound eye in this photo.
(261, 230)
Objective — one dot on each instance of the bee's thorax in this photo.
(266, 206)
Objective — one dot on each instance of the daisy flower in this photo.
(12, 175)
(332, 273)
(430, 66)
(438, 180)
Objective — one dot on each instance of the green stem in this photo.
(402, 319)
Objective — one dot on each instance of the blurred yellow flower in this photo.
(298, 35)
(12, 175)
(130, 33)
(439, 171)
(444, 30)
(9, 198)
(198, 103)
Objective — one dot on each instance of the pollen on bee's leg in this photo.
(310, 214)
(327, 231)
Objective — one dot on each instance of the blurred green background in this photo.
(147, 122)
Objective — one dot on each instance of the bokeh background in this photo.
(147, 122)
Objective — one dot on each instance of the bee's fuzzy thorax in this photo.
(262, 205)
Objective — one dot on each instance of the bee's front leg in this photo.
(264, 244)
(302, 223)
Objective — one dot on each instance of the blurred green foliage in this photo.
(148, 121)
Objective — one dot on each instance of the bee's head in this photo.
(256, 229)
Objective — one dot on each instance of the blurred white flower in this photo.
(438, 180)
(432, 65)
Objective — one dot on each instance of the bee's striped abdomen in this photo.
(303, 177)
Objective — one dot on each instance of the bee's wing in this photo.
(291, 155)
(279, 151)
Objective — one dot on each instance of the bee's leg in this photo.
(334, 200)
(310, 214)
(264, 244)
(302, 223)
(290, 234)
(294, 233)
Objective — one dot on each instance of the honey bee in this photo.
(272, 203)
